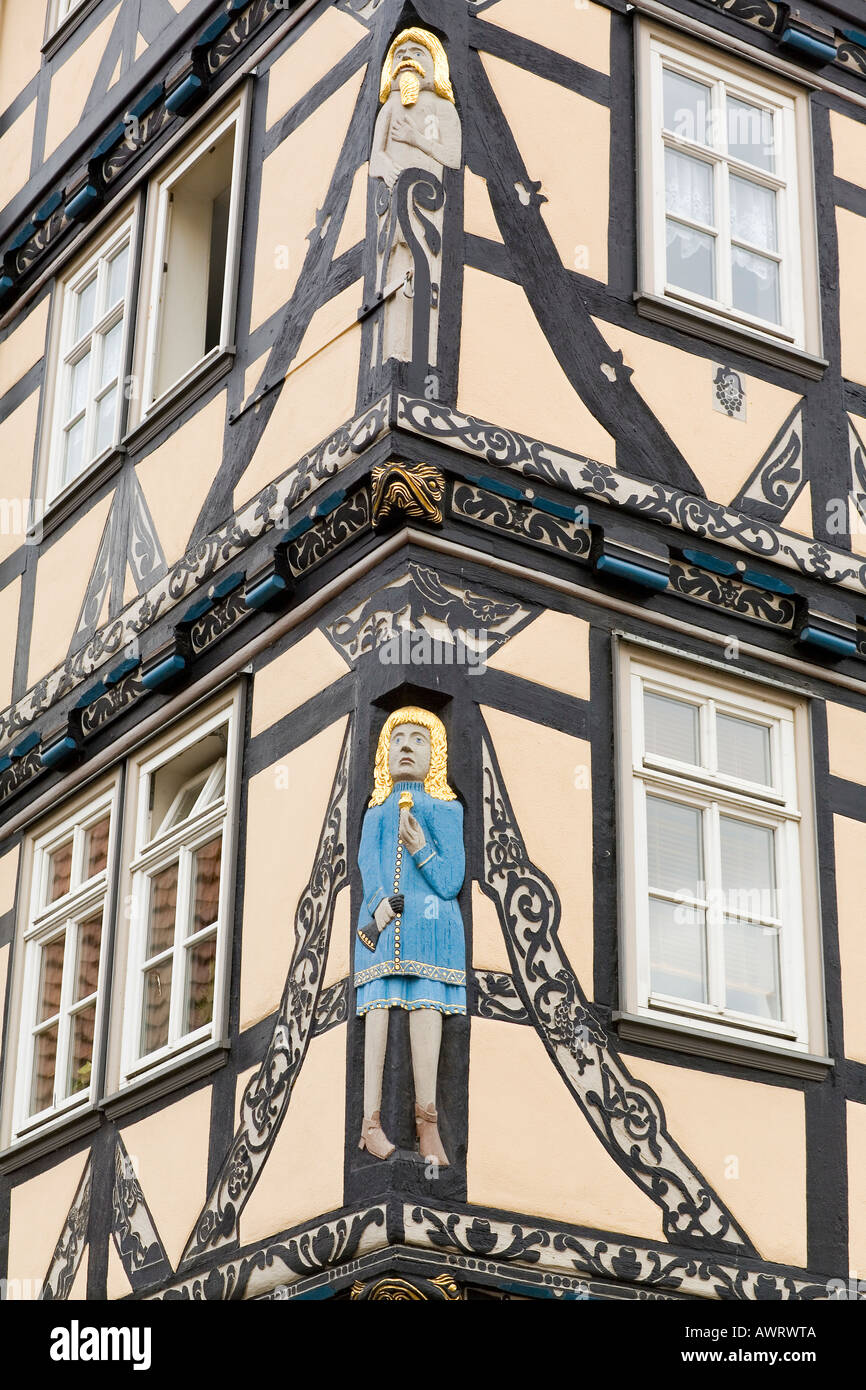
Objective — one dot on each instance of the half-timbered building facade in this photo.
(497, 365)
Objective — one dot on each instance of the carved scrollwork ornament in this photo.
(407, 489)
(408, 1289)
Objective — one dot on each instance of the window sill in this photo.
(76, 492)
(170, 405)
(699, 1043)
(58, 37)
(61, 1130)
(168, 1076)
(690, 319)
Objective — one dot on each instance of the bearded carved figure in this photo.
(417, 136)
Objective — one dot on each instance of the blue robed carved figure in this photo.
(412, 948)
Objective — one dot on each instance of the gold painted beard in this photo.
(410, 86)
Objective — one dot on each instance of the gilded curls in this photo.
(436, 781)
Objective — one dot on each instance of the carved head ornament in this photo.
(410, 72)
(436, 781)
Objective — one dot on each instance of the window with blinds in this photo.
(716, 824)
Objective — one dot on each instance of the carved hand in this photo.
(404, 130)
(384, 914)
(411, 833)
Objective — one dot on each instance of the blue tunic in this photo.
(420, 958)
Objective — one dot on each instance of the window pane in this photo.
(74, 459)
(686, 107)
(81, 1050)
(177, 785)
(201, 968)
(163, 902)
(748, 868)
(79, 377)
(674, 848)
(111, 345)
(105, 413)
(87, 964)
(85, 309)
(744, 749)
(690, 260)
(50, 978)
(157, 1002)
(44, 1062)
(96, 848)
(59, 871)
(688, 187)
(753, 213)
(207, 885)
(752, 982)
(195, 259)
(117, 276)
(678, 952)
(671, 728)
(185, 804)
(756, 284)
(750, 133)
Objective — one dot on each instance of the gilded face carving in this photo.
(412, 70)
(409, 753)
(414, 57)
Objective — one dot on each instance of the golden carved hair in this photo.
(441, 76)
(436, 781)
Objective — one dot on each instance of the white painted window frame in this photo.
(799, 300)
(61, 10)
(153, 254)
(146, 859)
(785, 805)
(64, 350)
(44, 922)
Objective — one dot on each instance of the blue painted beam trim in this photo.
(330, 504)
(114, 136)
(559, 509)
(183, 96)
(226, 586)
(89, 696)
(709, 562)
(828, 641)
(260, 594)
(633, 573)
(24, 235)
(300, 528)
(817, 49)
(123, 669)
(50, 205)
(767, 581)
(143, 105)
(58, 752)
(502, 489)
(163, 671)
(6, 284)
(854, 36)
(196, 611)
(212, 31)
(5, 763)
(82, 202)
(29, 741)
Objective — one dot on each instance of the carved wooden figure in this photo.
(414, 951)
(417, 136)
